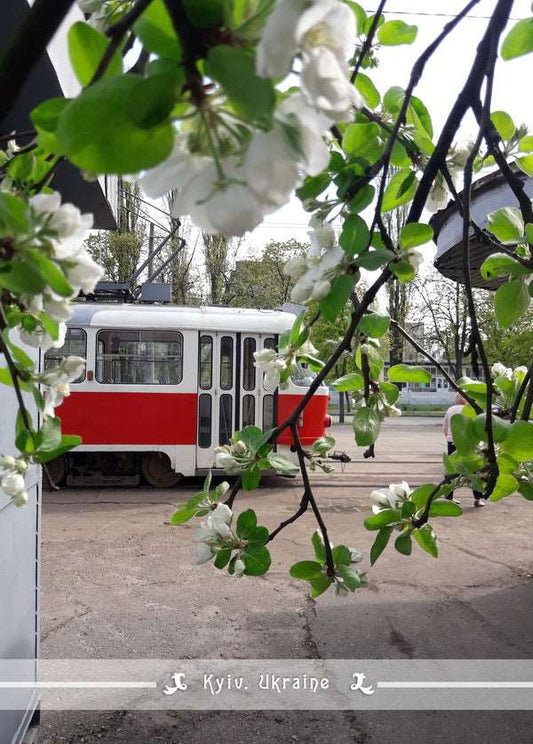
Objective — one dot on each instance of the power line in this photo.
(435, 15)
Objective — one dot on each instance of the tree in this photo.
(237, 105)
(262, 282)
(513, 344)
(119, 252)
(442, 305)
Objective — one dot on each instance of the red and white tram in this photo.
(165, 385)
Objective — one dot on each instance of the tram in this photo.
(165, 385)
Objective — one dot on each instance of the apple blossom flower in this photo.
(393, 496)
(272, 365)
(278, 39)
(325, 85)
(83, 273)
(414, 256)
(215, 534)
(234, 457)
(239, 568)
(39, 338)
(313, 272)
(65, 221)
(500, 370)
(57, 380)
(311, 128)
(269, 170)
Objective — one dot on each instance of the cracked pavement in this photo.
(119, 581)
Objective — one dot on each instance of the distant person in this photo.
(446, 426)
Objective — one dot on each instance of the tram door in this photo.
(217, 381)
(231, 392)
(257, 407)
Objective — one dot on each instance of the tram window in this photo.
(204, 420)
(225, 419)
(302, 375)
(226, 362)
(248, 369)
(248, 410)
(75, 345)
(206, 362)
(268, 412)
(129, 357)
(269, 343)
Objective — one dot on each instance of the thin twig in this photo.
(520, 393)
(477, 408)
(368, 41)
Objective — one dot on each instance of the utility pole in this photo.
(150, 251)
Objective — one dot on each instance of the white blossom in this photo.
(414, 256)
(238, 568)
(89, 6)
(394, 495)
(84, 273)
(278, 39)
(203, 553)
(325, 85)
(68, 225)
(500, 370)
(312, 152)
(269, 170)
(272, 365)
(313, 272)
(70, 369)
(39, 338)
(12, 483)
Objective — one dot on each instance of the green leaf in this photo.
(526, 164)
(427, 540)
(22, 278)
(366, 425)
(98, 134)
(152, 100)
(526, 143)
(519, 441)
(390, 392)
(351, 381)
(444, 508)
(414, 234)
(86, 47)
(251, 478)
(499, 428)
(319, 547)
(13, 214)
(306, 570)
(259, 535)
(205, 13)
(373, 260)
(393, 33)
(320, 584)
(50, 325)
(341, 555)
(182, 515)
(253, 437)
(399, 156)
(500, 264)
(49, 435)
(54, 276)
(404, 544)
(510, 302)
(256, 559)
(400, 190)
(506, 485)
(68, 442)
(393, 99)
(355, 235)
(360, 16)
(403, 270)
(246, 524)
(367, 90)
(223, 557)
(350, 577)
(45, 118)
(519, 40)
(408, 373)
(361, 199)
(503, 123)
(341, 288)
(383, 518)
(506, 224)
(380, 543)
(313, 186)
(234, 68)
(362, 141)
(420, 495)
(282, 465)
(154, 28)
(408, 509)
(526, 490)
(463, 433)
(374, 325)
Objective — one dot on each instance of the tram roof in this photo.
(181, 318)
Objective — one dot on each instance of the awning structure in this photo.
(43, 84)
(488, 194)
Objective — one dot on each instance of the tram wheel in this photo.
(55, 472)
(157, 471)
